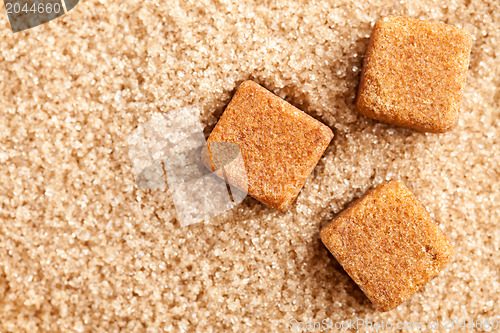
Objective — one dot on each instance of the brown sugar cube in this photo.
(414, 73)
(388, 244)
(280, 144)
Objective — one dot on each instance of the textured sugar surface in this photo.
(280, 144)
(83, 249)
(387, 242)
(414, 73)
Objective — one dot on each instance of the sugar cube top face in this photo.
(388, 244)
(414, 73)
(279, 143)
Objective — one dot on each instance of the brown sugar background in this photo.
(83, 249)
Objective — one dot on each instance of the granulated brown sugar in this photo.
(280, 144)
(388, 244)
(414, 73)
(83, 249)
